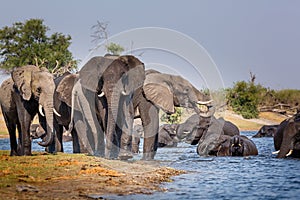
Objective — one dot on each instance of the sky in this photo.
(239, 36)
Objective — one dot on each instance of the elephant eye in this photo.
(39, 90)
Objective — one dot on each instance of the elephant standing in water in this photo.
(28, 91)
(164, 91)
(103, 93)
(287, 137)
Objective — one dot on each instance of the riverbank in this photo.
(78, 176)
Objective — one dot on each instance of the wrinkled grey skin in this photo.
(162, 91)
(63, 91)
(266, 131)
(238, 145)
(193, 128)
(117, 78)
(20, 97)
(287, 137)
(210, 138)
(167, 135)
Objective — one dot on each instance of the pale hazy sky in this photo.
(261, 36)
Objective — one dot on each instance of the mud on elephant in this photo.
(28, 91)
(165, 92)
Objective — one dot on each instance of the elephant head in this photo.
(37, 84)
(236, 146)
(167, 91)
(290, 137)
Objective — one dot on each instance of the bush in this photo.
(244, 99)
(172, 118)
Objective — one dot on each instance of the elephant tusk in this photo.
(204, 102)
(275, 152)
(290, 152)
(55, 112)
(101, 95)
(124, 93)
(186, 132)
(41, 110)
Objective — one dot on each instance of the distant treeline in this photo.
(248, 99)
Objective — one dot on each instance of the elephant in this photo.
(165, 91)
(209, 138)
(193, 128)
(237, 145)
(29, 90)
(266, 131)
(101, 101)
(167, 135)
(287, 137)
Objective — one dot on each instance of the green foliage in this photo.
(114, 49)
(172, 118)
(244, 98)
(288, 96)
(25, 43)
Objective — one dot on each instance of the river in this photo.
(254, 177)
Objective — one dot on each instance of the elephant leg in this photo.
(77, 146)
(11, 126)
(126, 137)
(25, 120)
(150, 121)
(87, 124)
(59, 129)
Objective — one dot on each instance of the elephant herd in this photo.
(98, 105)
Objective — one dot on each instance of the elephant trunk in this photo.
(113, 106)
(286, 144)
(48, 108)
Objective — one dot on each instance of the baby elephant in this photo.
(238, 145)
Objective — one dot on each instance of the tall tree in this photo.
(27, 43)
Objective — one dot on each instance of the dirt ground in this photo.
(77, 176)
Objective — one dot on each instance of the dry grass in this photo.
(76, 176)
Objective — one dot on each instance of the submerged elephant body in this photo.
(29, 90)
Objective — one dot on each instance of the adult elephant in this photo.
(266, 131)
(28, 91)
(103, 93)
(238, 145)
(165, 92)
(62, 103)
(193, 128)
(287, 137)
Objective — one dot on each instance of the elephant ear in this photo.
(159, 93)
(92, 71)
(22, 80)
(65, 87)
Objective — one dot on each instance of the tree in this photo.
(100, 34)
(26, 43)
(244, 99)
(174, 118)
(114, 49)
